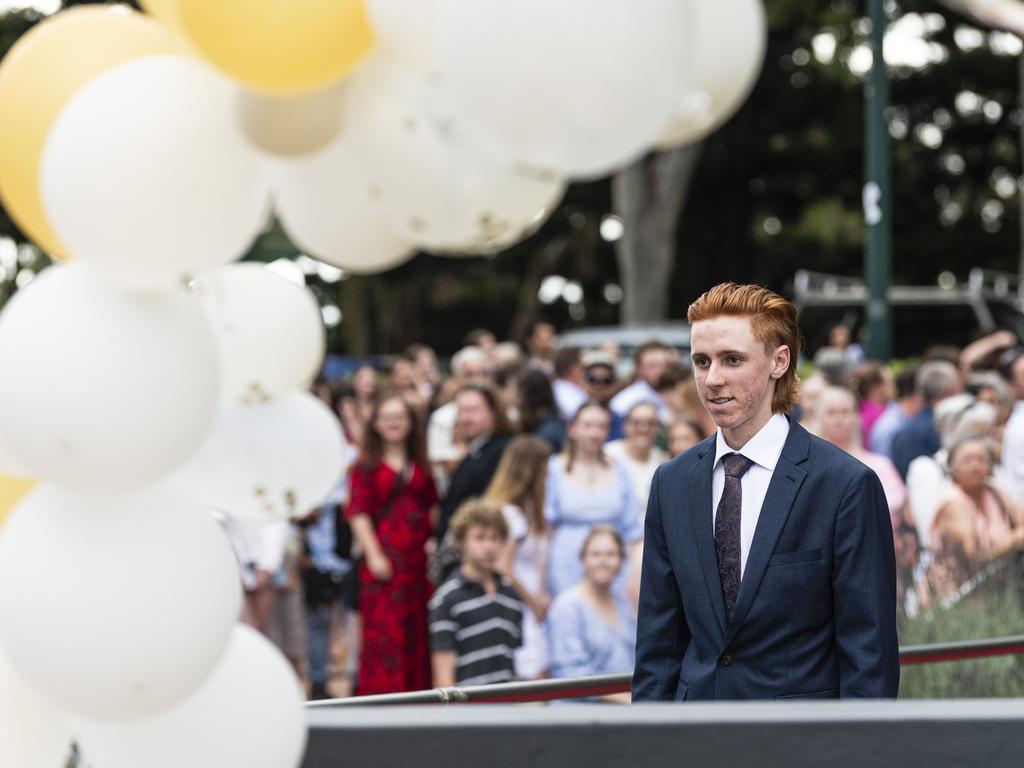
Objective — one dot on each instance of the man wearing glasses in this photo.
(600, 383)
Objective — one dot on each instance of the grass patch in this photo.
(992, 611)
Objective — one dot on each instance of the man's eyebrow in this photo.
(720, 353)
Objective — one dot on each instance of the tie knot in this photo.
(736, 465)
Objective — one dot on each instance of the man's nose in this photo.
(714, 375)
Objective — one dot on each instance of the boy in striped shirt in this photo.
(475, 616)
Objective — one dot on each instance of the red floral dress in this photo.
(396, 652)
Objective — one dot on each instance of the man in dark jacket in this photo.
(483, 428)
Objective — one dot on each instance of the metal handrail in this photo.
(603, 685)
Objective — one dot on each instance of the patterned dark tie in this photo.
(727, 529)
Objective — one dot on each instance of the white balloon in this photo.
(102, 387)
(274, 460)
(270, 330)
(408, 30)
(290, 124)
(248, 713)
(726, 43)
(146, 172)
(34, 733)
(438, 188)
(9, 464)
(329, 209)
(115, 605)
(576, 87)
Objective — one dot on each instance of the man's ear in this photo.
(780, 361)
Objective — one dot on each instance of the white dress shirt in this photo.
(764, 450)
(569, 398)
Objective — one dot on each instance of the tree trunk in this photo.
(356, 330)
(539, 265)
(648, 196)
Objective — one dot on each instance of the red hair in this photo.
(772, 320)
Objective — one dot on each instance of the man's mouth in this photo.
(719, 400)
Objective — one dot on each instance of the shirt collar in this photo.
(477, 443)
(764, 448)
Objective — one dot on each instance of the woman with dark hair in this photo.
(538, 413)
(873, 384)
(587, 488)
(392, 501)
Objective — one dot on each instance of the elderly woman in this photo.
(976, 522)
(928, 477)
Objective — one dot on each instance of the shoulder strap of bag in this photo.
(401, 481)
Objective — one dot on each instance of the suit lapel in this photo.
(700, 514)
(778, 501)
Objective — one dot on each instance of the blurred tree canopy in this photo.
(777, 189)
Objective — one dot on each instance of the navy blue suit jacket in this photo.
(816, 612)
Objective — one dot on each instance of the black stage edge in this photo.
(985, 733)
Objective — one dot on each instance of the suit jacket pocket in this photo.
(681, 690)
(831, 693)
(792, 558)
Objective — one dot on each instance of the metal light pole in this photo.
(877, 193)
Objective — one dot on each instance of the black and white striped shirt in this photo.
(481, 628)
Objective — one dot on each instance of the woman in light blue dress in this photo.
(586, 488)
(591, 629)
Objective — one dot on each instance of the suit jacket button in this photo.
(726, 661)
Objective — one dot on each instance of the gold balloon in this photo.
(11, 490)
(40, 73)
(277, 46)
(165, 10)
(293, 124)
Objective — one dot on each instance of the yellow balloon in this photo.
(165, 10)
(281, 46)
(37, 77)
(11, 490)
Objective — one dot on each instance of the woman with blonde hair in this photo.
(592, 630)
(976, 522)
(518, 488)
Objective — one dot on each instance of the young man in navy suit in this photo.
(768, 568)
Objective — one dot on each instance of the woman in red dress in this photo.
(391, 504)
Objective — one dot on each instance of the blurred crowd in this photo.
(490, 526)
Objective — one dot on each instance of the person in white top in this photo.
(518, 488)
(640, 457)
(1012, 368)
(652, 357)
(260, 547)
(637, 451)
(568, 382)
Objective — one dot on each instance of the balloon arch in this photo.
(148, 378)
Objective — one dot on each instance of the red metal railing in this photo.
(602, 685)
